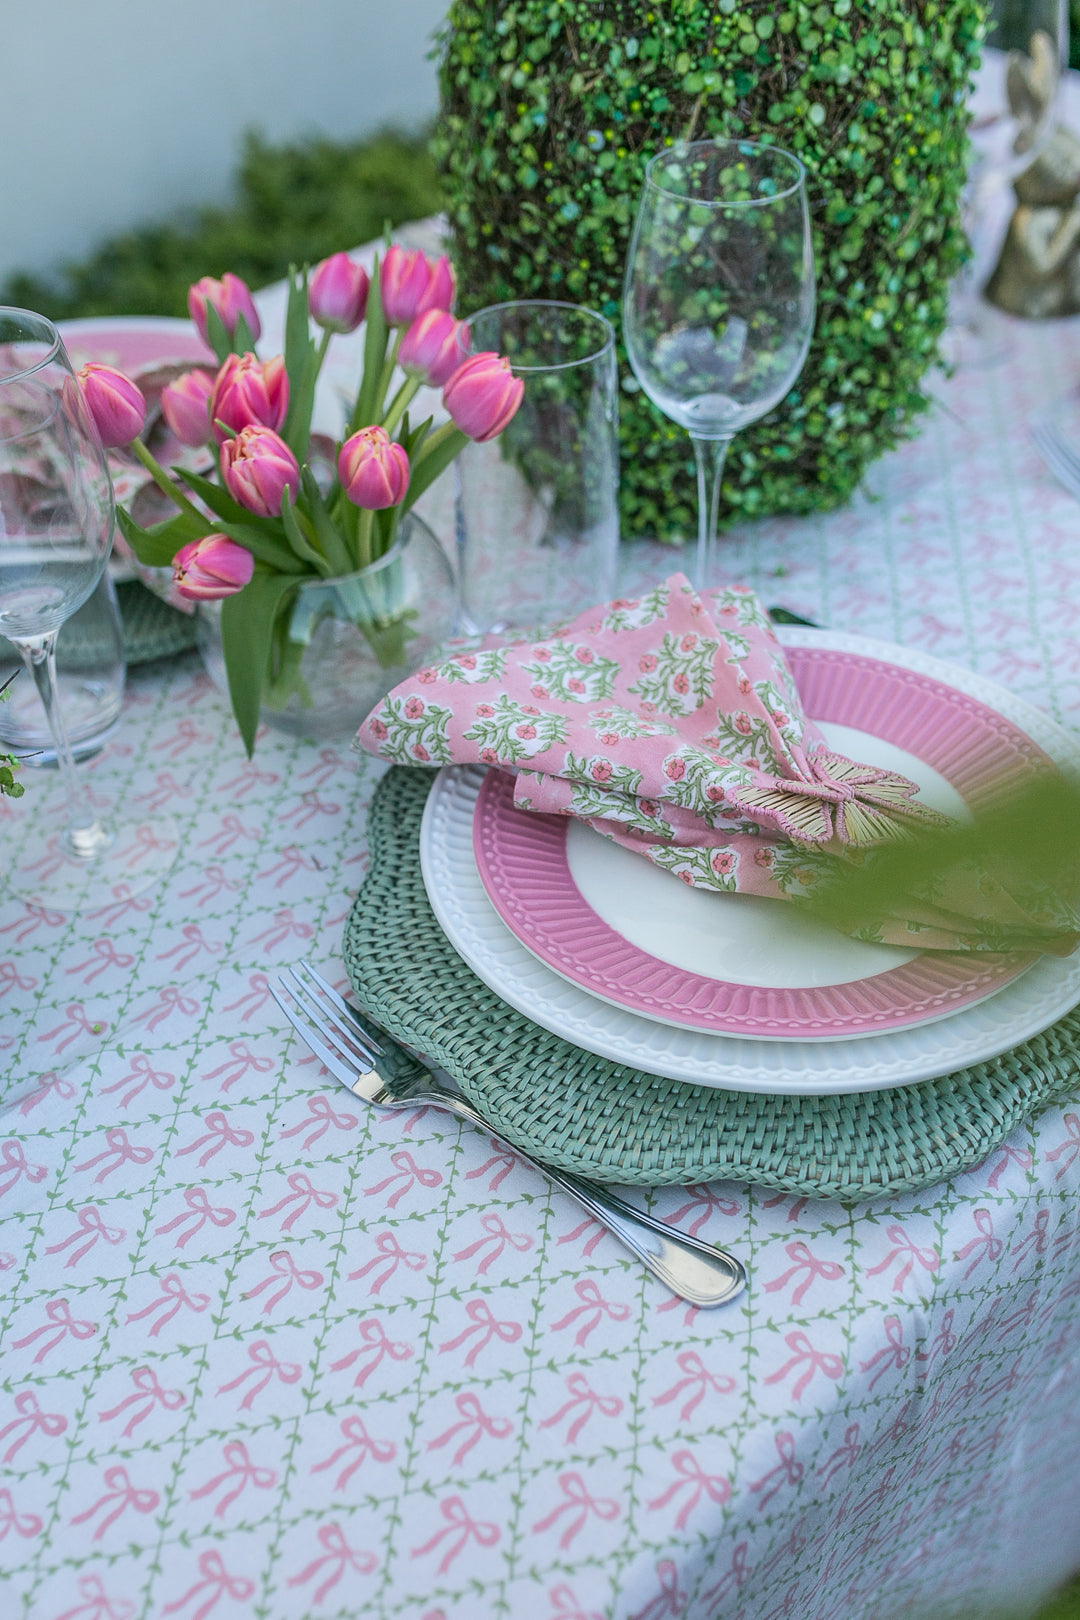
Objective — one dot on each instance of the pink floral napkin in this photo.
(672, 725)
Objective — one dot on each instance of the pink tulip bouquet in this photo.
(278, 513)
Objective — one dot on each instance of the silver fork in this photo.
(1062, 460)
(379, 1070)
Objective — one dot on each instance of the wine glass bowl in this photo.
(718, 299)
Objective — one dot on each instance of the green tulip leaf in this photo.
(375, 335)
(217, 335)
(247, 629)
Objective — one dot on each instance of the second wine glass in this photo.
(718, 301)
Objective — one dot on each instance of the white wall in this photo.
(120, 112)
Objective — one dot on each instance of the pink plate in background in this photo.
(909, 719)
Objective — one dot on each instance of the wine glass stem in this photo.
(83, 836)
(710, 455)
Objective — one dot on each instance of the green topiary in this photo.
(550, 110)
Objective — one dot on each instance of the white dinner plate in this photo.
(793, 1067)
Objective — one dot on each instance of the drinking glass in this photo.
(90, 674)
(56, 525)
(718, 300)
(538, 505)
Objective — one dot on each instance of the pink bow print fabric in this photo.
(670, 723)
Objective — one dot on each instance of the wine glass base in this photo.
(94, 869)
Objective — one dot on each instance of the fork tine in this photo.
(350, 1039)
(334, 1061)
(347, 1012)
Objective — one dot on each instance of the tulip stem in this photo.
(164, 482)
(363, 538)
(385, 375)
(401, 403)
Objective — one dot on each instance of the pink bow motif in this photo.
(504, 1158)
(707, 1202)
(287, 1273)
(250, 777)
(122, 1494)
(816, 1360)
(255, 999)
(361, 1445)
(1036, 1240)
(320, 1110)
(583, 1395)
(173, 1299)
(186, 734)
(895, 1354)
(79, 1022)
(388, 1250)
(170, 999)
(88, 1229)
(596, 1232)
(830, 1270)
(14, 1165)
(241, 1059)
(483, 1323)
(145, 840)
(31, 1420)
(187, 948)
(474, 1423)
(669, 1599)
(103, 955)
(693, 1479)
(697, 1379)
(844, 1456)
(593, 1308)
(375, 1347)
(199, 1210)
(466, 1529)
(339, 1556)
(240, 1469)
(308, 806)
(733, 1580)
(35, 916)
(219, 1134)
(216, 1582)
(26, 1525)
(148, 1395)
(327, 765)
(284, 927)
(929, 1259)
(987, 1246)
(1020, 1318)
(12, 979)
(119, 1151)
(122, 902)
(409, 1173)
(49, 1084)
(263, 1361)
(230, 831)
(59, 1324)
(164, 791)
(138, 1077)
(1068, 1150)
(567, 1606)
(1009, 1155)
(579, 1505)
(788, 1469)
(214, 883)
(291, 860)
(943, 1342)
(98, 1605)
(495, 1242)
(303, 1195)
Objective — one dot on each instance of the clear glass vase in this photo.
(341, 644)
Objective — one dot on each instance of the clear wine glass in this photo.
(56, 527)
(718, 300)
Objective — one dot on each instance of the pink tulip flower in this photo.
(482, 395)
(230, 297)
(211, 568)
(116, 405)
(185, 406)
(433, 347)
(256, 467)
(374, 471)
(249, 392)
(337, 294)
(409, 284)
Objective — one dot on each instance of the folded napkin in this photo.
(672, 725)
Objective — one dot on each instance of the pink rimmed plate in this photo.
(634, 936)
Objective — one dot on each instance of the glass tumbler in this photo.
(90, 673)
(538, 524)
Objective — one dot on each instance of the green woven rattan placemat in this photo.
(152, 629)
(613, 1123)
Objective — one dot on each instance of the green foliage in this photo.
(551, 109)
(294, 205)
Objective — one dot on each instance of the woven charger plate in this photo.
(613, 1123)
